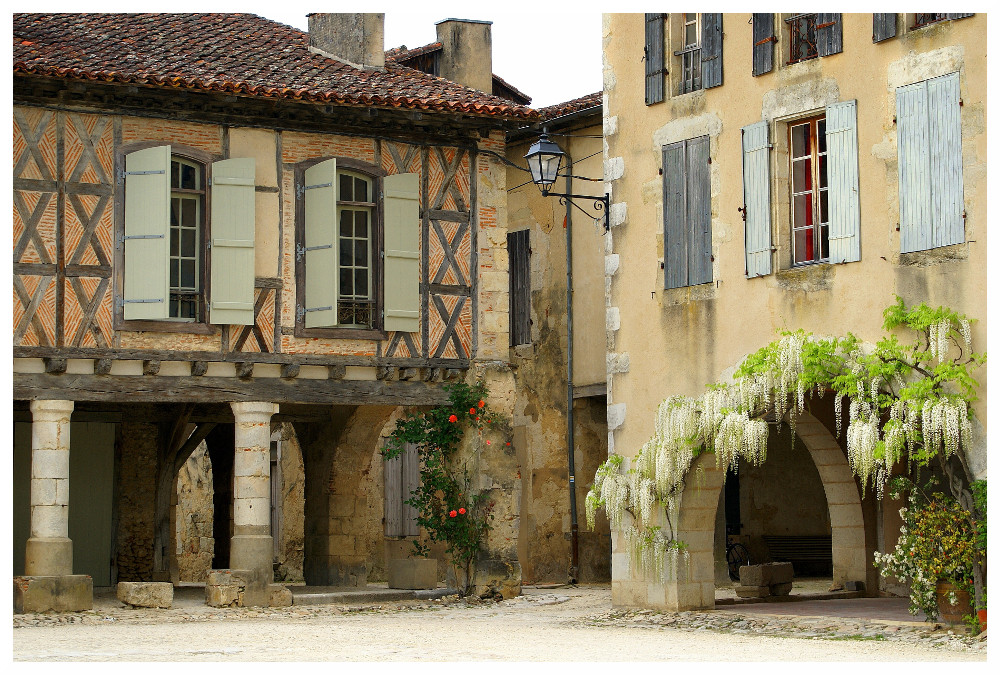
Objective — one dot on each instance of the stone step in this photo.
(360, 596)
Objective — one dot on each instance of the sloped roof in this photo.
(577, 104)
(241, 54)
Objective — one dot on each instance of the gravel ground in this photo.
(562, 624)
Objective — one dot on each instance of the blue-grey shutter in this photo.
(147, 228)
(233, 229)
(842, 179)
(711, 50)
(518, 250)
(675, 231)
(757, 199)
(410, 482)
(392, 473)
(829, 34)
(945, 136)
(763, 43)
(959, 16)
(883, 27)
(654, 58)
(699, 211)
(913, 162)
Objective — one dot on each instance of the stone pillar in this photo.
(49, 549)
(252, 548)
(49, 582)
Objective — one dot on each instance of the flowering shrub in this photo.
(905, 403)
(446, 507)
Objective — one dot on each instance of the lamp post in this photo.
(544, 159)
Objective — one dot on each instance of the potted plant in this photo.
(936, 551)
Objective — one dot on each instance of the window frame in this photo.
(200, 252)
(816, 188)
(200, 325)
(377, 249)
(688, 51)
(787, 20)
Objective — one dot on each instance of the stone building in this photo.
(719, 133)
(230, 234)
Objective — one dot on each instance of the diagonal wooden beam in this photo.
(89, 156)
(449, 329)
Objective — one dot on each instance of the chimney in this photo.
(467, 52)
(355, 39)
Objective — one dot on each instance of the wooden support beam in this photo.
(290, 370)
(102, 366)
(386, 373)
(199, 368)
(150, 367)
(336, 372)
(244, 370)
(55, 365)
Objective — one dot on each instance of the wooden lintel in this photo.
(599, 389)
(165, 389)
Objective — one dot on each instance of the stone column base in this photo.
(65, 593)
(48, 557)
(254, 552)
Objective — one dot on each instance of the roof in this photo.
(594, 100)
(240, 54)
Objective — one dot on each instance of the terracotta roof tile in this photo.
(577, 104)
(242, 54)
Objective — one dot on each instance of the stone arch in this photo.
(695, 587)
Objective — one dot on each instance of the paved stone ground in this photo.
(544, 624)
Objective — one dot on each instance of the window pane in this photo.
(802, 175)
(361, 253)
(825, 241)
(189, 213)
(187, 274)
(175, 174)
(802, 210)
(346, 284)
(189, 177)
(346, 220)
(189, 308)
(361, 283)
(174, 307)
(174, 237)
(175, 211)
(691, 34)
(800, 141)
(361, 224)
(824, 216)
(346, 253)
(821, 134)
(360, 190)
(804, 246)
(188, 237)
(822, 171)
(175, 275)
(346, 188)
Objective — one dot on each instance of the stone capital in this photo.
(51, 411)
(253, 411)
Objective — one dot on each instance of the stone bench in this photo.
(159, 594)
(760, 581)
(226, 588)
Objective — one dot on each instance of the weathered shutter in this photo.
(233, 226)
(320, 254)
(402, 256)
(842, 179)
(959, 16)
(393, 479)
(883, 27)
(757, 199)
(829, 34)
(147, 229)
(699, 211)
(945, 138)
(711, 50)
(410, 481)
(763, 43)
(675, 231)
(912, 147)
(654, 58)
(518, 250)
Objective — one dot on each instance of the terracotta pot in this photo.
(949, 613)
(981, 615)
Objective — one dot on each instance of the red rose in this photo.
(481, 403)
(453, 419)
(462, 510)
(472, 411)
(487, 442)
(453, 513)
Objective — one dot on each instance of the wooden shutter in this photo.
(913, 162)
(654, 58)
(945, 139)
(757, 199)
(699, 211)
(883, 27)
(320, 250)
(393, 480)
(402, 255)
(842, 179)
(147, 229)
(233, 225)
(959, 16)
(711, 50)
(829, 34)
(763, 43)
(410, 481)
(675, 231)
(518, 252)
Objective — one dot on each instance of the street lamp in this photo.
(544, 158)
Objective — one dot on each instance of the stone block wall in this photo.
(137, 447)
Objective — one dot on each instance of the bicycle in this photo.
(737, 555)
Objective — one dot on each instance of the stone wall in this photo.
(193, 513)
(137, 447)
(291, 545)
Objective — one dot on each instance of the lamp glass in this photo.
(544, 158)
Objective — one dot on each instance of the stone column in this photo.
(49, 583)
(49, 551)
(251, 547)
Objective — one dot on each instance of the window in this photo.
(187, 214)
(172, 202)
(809, 191)
(921, 20)
(355, 210)
(690, 53)
(687, 213)
(402, 477)
(697, 45)
(929, 143)
(801, 37)
(518, 253)
(356, 249)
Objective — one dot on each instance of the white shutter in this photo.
(842, 179)
(945, 139)
(233, 225)
(757, 199)
(402, 256)
(912, 129)
(147, 229)
(321, 268)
